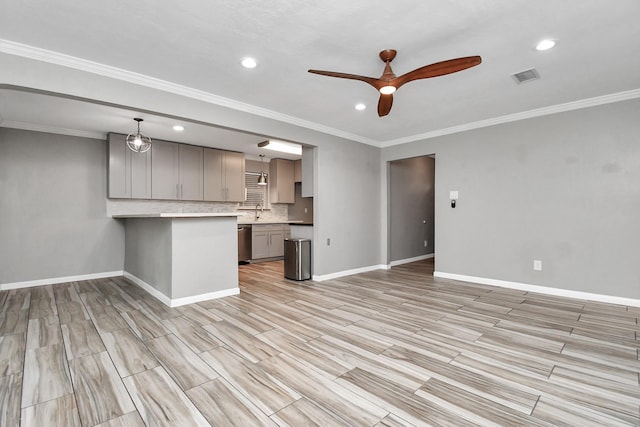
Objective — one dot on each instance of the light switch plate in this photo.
(537, 265)
(453, 195)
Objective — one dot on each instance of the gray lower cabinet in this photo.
(129, 172)
(176, 171)
(223, 176)
(267, 240)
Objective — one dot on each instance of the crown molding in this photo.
(38, 54)
(553, 109)
(52, 129)
(80, 64)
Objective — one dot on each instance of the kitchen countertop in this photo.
(181, 215)
(241, 221)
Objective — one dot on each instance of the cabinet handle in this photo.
(181, 193)
(177, 192)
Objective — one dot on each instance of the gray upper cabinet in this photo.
(164, 170)
(190, 172)
(177, 171)
(172, 171)
(234, 170)
(281, 184)
(129, 172)
(223, 176)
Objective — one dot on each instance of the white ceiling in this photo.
(198, 44)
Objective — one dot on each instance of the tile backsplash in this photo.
(278, 212)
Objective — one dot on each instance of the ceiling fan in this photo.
(388, 83)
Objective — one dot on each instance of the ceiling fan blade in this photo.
(384, 105)
(370, 80)
(439, 69)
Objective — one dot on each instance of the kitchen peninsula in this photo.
(182, 258)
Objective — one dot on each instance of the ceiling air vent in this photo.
(526, 76)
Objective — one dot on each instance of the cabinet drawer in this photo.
(267, 227)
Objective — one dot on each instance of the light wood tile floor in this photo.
(385, 348)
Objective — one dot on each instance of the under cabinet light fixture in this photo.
(284, 147)
(137, 142)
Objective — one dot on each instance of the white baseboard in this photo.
(148, 288)
(179, 301)
(58, 280)
(408, 260)
(204, 297)
(323, 277)
(540, 289)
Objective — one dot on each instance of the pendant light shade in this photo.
(262, 179)
(138, 142)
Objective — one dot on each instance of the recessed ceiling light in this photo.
(249, 62)
(545, 44)
(360, 106)
(178, 128)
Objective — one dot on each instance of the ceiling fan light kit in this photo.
(388, 83)
(137, 142)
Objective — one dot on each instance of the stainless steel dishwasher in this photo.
(244, 243)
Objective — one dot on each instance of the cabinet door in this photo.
(282, 187)
(119, 168)
(259, 244)
(234, 176)
(164, 170)
(213, 175)
(129, 172)
(190, 172)
(140, 175)
(276, 243)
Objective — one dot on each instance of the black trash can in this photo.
(297, 259)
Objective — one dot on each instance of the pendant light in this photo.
(138, 142)
(262, 179)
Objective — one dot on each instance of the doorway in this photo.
(411, 195)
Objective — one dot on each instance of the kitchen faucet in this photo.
(261, 210)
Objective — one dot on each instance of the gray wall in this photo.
(347, 207)
(297, 210)
(53, 220)
(563, 189)
(183, 257)
(205, 256)
(411, 209)
(348, 179)
(148, 247)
